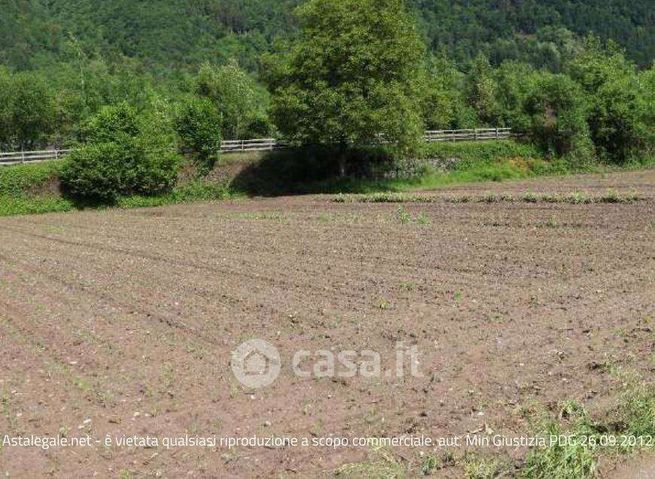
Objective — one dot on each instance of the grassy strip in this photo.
(285, 173)
(18, 180)
(574, 198)
(11, 205)
(196, 191)
(501, 171)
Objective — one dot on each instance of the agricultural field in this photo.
(517, 297)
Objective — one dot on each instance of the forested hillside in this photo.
(169, 34)
(142, 90)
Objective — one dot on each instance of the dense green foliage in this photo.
(27, 110)
(352, 76)
(198, 124)
(341, 75)
(18, 180)
(241, 102)
(126, 153)
(167, 34)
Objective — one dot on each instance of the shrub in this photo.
(126, 154)
(557, 111)
(198, 124)
(618, 120)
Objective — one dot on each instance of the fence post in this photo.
(475, 134)
(22, 155)
(497, 133)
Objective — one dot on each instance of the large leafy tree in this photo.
(483, 91)
(557, 107)
(353, 76)
(239, 99)
(619, 116)
(27, 110)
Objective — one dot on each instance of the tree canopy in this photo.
(352, 75)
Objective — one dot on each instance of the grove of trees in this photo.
(337, 73)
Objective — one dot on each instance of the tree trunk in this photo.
(342, 158)
(342, 165)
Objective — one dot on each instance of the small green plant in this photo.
(406, 218)
(530, 198)
(407, 285)
(383, 304)
(430, 464)
(422, 219)
(403, 215)
(476, 468)
(382, 464)
(552, 222)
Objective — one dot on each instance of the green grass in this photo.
(632, 417)
(18, 180)
(10, 205)
(195, 191)
(23, 187)
(575, 198)
(431, 180)
(578, 457)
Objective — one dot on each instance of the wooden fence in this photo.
(477, 134)
(268, 144)
(264, 144)
(18, 157)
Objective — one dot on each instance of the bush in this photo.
(618, 120)
(557, 112)
(126, 154)
(620, 110)
(198, 124)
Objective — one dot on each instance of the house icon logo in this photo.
(256, 363)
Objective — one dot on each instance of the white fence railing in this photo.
(18, 157)
(476, 134)
(268, 144)
(264, 144)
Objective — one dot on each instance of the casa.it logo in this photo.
(256, 363)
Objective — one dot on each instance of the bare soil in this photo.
(123, 323)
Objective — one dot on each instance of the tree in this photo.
(241, 102)
(483, 91)
(619, 111)
(515, 83)
(353, 75)
(27, 110)
(443, 99)
(556, 107)
(618, 120)
(198, 124)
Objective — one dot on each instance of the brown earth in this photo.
(123, 323)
